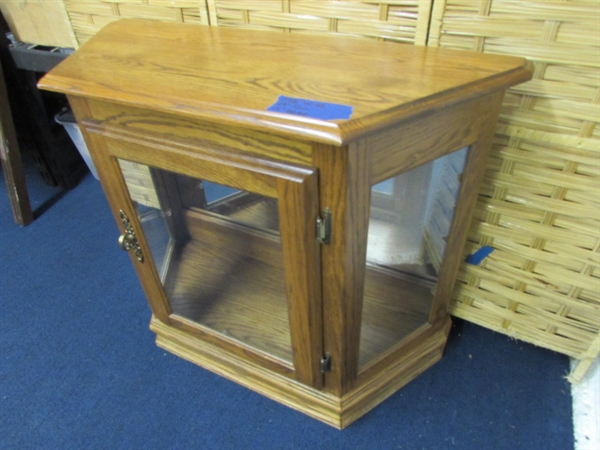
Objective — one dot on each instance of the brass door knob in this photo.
(128, 240)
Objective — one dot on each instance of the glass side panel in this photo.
(410, 220)
(218, 251)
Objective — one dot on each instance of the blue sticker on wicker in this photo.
(310, 108)
(479, 255)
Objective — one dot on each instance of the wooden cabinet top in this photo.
(231, 76)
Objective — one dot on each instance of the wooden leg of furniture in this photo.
(11, 161)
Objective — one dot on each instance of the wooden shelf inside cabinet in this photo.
(295, 206)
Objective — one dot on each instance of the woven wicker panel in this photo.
(139, 183)
(402, 21)
(540, 205)
(89, 16)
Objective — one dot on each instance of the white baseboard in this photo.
(586, 410)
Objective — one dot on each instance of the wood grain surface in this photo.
(232, 76)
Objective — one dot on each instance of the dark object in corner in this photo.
(56, 157)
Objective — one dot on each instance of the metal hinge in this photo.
(326, 363)
(324, 227)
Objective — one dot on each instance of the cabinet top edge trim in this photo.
(231, 76)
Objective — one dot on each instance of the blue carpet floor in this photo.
(79, 368)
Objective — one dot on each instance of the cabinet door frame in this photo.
(296, 188)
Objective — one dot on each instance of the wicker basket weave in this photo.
(90, 16)
(400, 20)
(539, 207)
(139, 183)
(397, 20)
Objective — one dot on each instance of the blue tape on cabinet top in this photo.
(310, 108)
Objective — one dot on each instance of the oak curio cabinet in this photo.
(295, 205)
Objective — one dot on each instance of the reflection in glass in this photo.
(410, 220)
(218, 251)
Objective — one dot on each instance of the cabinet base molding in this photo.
(336, 411)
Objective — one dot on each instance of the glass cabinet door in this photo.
(410, 221)
(235, 265)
